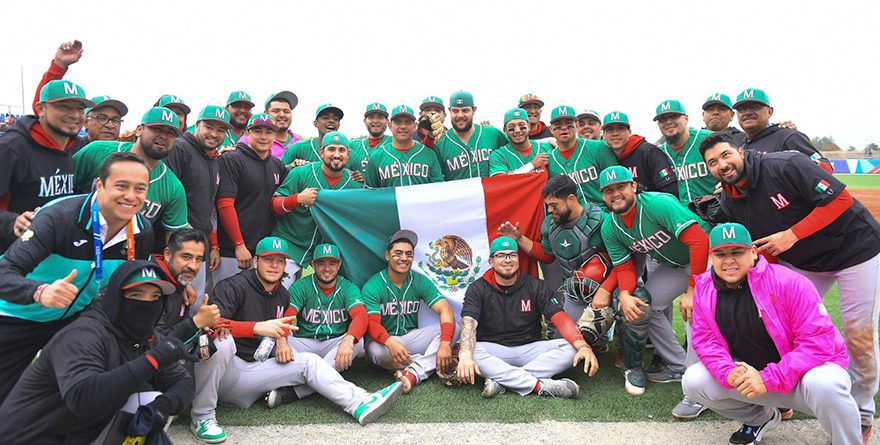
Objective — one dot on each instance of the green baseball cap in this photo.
(515, 114)
(58, 90)
(286, 96)
(614, 175)
(562, 112)
(669, 106)
(334, 138)
(106, 101)
(752, 95)
(161, 116)
(215, 113)
(589, 113)
(529, 98)
(326, 251)
(239, 96)
(431, 101)
(729, 234)
(461, 99)
(402, 110)
(262, 120)
(272, 245)
(502, 243)
(326, 108)
(150, 274)
(718, 99)
(170, 100)
(615, 117)
(376, 107)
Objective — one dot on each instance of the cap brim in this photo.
(539, 103)
(425, 105)
(404, 234)
(583, 115)
(219, 121)
(164, 286)
(242, 100)
(274, 127)
(616, 122)
(286, 96)
(286, 255)
(341, 114)
(112, 103)
(615, 183)
(657, 117)
(403, 114)
(711, 249)
(318, 257)
(715, 102)
(383, 113)
(176, 130)
(740, 102)
(186, 109)
(88, 103)
(558, 118)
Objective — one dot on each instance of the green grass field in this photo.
(860, 181)
(602, 398)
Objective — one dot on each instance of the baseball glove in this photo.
(449, 380)
(594, 323)
(706, 207)
(128, 136)
(432, 123)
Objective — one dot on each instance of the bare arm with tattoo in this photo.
(467, 368)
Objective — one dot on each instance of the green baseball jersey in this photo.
(298, 227)
(399, 307)
(507, 158)
(319, 315)
(573, 242)
(360, 150)
(231, 138)
(461, 161)
(166, 198)
(587, 159)
(308, 150)
(388, 167)
(659, 220)
(694, 179)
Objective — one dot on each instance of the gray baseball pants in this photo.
(518, 368)
(422, 344)
(323, 348)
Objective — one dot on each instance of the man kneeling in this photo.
(764, 340)
(501, 332)
(244, 369)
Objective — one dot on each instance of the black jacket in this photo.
(774, 139)
(175, 320)
(30, 174)
(200, 175)
(650, 168)
(84, 376)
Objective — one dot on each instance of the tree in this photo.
(824, 143)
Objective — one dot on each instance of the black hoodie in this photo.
(86, 373)
(30, 174)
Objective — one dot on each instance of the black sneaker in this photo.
(657, 364)
(281, 396)
(750, 435)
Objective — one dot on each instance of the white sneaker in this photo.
(208, 431)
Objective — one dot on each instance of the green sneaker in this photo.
(378, 403)
(208, 431)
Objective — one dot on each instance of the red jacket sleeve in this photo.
(284, 204)
(359, 322)
(698, 249)
(229, 218)
(539, 254)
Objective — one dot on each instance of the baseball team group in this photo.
(147, 272)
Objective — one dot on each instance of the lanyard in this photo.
(99, 243)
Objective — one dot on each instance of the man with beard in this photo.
(430, 104)
(589, 125)
(570, 235)
(166, 199)
(464, 152)
(327, 119)
(393, 297)
(239, 106)
(681, 147)
(280, 106)
(538, 130)
(658, 225)
(754, 111)
(802, 214)
(330, 316)
(376, 121)
(35, 157)
(521, 155)
(249, 176)
(293, 198)
(175, 104)
(648, 165)
(196, 163)
(87, 372)
(579, 159)
(182, 259)
(254, 302)
(501, 332)
(403, 161)
(51, 273)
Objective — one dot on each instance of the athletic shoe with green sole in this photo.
(378, 403)
(208, 431)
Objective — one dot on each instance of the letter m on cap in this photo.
(666, 106)
(242, 95)
(220, 113)
(728, 232)
(167, 115)
(327, 250)
(610, 175)
(716, 96)
(148, 272)
(276, 244)
(70, 88)
(615, 116)
(748, 94)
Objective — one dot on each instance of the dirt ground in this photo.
(870, 198)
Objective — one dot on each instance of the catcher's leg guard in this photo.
(631, 337)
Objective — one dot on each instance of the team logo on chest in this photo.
(525, 305)
(779, 201)
(451, 263)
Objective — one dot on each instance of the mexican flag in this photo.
(455, 222)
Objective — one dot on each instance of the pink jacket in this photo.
(795, 318)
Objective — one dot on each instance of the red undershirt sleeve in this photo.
(359, 322)
(611, 282)
(229, 218)
(821, 216)
(826, 165)
(376, 330)
(698, 249)
(284, 204)
(538, 253)
(242, 329)
(55, 72)
(626, 276)
(566, 327)
(212, 239)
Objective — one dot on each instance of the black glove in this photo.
(169, 351)
(706, 207)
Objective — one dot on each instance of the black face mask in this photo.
(139, 318)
